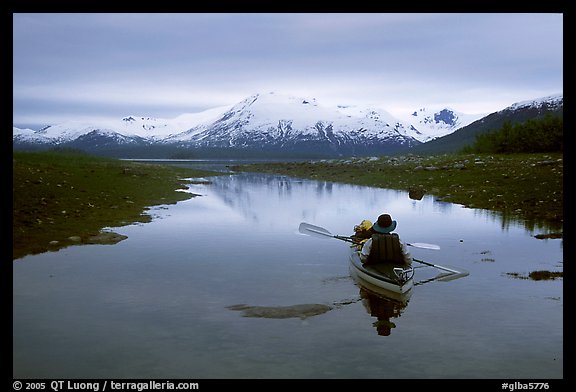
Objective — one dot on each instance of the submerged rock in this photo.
(301, 311)
(106, 237)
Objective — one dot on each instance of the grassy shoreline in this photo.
(63, 199)
(526, 187)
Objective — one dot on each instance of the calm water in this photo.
(157, 304)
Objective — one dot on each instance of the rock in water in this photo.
(301, 311)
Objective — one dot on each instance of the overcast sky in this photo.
(82, 66)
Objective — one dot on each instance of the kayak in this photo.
(387, 276)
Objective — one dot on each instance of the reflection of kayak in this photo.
(384, 305)
(387, 276)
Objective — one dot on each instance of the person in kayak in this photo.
(382, 245)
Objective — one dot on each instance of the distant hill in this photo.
(516, 113)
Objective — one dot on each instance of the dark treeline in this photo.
(532, 136)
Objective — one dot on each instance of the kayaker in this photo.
(383, 245)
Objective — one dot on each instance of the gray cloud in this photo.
(70, 65)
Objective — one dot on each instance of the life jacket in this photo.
(386, 248)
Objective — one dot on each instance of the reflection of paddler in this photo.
(383, 309)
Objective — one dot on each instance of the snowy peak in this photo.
(132, 126)
(434, 124)
(288, 122)
(267, 109)
(444, 116)
(28, 135)
(277, 99)
(550, 101)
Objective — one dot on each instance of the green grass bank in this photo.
(61, 199)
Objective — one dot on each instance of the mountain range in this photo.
(262, 125)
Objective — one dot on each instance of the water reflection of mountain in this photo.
(258, 197)
(268, 199)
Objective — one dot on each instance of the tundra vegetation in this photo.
(66, 198)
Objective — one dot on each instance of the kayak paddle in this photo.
(317, 231)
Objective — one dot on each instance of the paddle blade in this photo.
(424, 245)
(453, 276)
(316, 231)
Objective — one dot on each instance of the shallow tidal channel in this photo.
(224, 286)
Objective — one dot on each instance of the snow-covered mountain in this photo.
(286, 122)
(550, 102)
(153, 129)
(270, 124)
(434, 124)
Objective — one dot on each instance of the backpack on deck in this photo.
(386, 248)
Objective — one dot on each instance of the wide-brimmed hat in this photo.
(384, 224)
